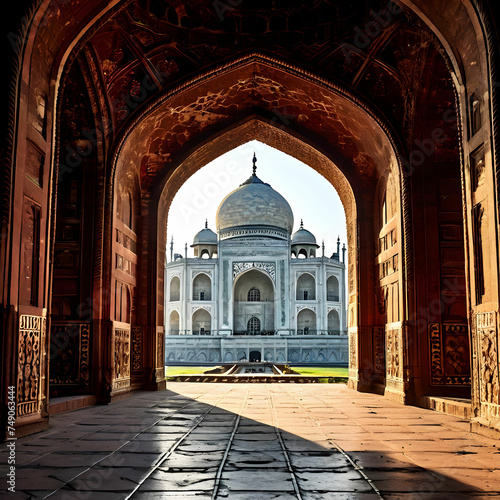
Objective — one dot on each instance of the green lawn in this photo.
(172, 371)
(323, 371)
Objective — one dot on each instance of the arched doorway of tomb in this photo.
(253, 303)
(255, 357)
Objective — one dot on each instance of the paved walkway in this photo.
(255, 442)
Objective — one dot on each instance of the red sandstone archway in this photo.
(357, 152)
(352, 152)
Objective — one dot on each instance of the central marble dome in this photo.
(254, 205)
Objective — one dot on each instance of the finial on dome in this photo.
(254, 161)
(301, 224)
(206, 223)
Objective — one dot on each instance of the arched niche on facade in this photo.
(202, 287)
(253, 280)
(201, 322)
(333, 322)
(332, 289)
(175, 289)
(306, 322)
(253, 297)
(306, 287)
(174, 323)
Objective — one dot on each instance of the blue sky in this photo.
(310, 195)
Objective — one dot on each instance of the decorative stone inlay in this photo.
(122, 354)
(136, 348)
(329, 309)
(448, 356)
(207, 308)
(379, 349)
(268, 267)
(252, 232)
(488, 364)
(301, 307)
(353, 350)
(160, 353)
(70, 354)
(485, 320)
(394, 354)
(30, 367)
(85, 354)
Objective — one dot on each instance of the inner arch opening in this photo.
(259, 208)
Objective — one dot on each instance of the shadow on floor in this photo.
(171, 445)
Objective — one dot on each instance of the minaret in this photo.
(323, 248)
(343, 253)
(186, 250)
(172, 250)
(338, 247)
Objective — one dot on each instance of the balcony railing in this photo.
(305, 331)
(263, 332)
(331, 297)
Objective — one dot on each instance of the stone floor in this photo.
(256, 442)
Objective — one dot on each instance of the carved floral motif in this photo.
(160, 356)
(379, 349)
(205, 307)
(136, 348)
(394, 358)
(353, 362)
(449, 354)
(268, 267)
(122, 354)
(301, 307)
(488, 364)
(70, 354)
(29, 367)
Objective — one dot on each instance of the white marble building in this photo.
(254, 291)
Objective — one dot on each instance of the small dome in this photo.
(303, 237)
(254, 204)
(205, 237)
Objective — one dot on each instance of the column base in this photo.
(485, 427)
